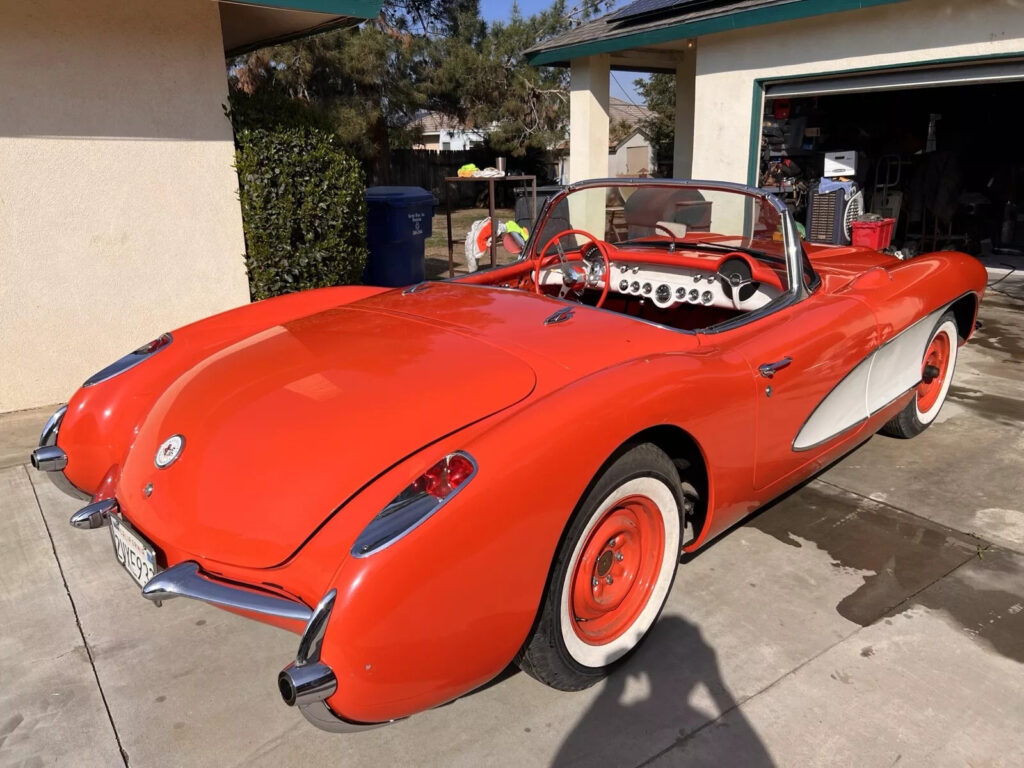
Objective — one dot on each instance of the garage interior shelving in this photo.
(946, 162)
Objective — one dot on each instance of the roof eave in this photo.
(328, 14)
(561, 56)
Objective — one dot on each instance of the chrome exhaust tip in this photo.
(49, 458)
(304, 685)
(94, 515)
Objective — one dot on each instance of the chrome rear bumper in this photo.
(187, 580)
(52, 460)
(305, 683)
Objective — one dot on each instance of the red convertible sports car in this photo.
(429, 483)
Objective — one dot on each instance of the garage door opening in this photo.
(945, 162)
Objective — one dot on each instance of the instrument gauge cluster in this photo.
(668, 286)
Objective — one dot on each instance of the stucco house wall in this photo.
(118, 196)
(902, 33)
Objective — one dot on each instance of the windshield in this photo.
(667, 218)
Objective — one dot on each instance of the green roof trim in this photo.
(362, 9)
(727, 22)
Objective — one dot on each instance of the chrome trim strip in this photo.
(357, 546)
(313, 635)
(187, 580)
(307, 682)
(95, 515)
(48, 439)
(52, 426)
(126, 362)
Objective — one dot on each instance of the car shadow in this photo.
(669, 691)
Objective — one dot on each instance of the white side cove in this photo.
(883, 376)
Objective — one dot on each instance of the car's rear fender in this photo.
(446, 608)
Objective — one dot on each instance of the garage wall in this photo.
(902, 33)
(119, 215)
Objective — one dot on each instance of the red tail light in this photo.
(422, 498)
(148, 349)
(445, 476)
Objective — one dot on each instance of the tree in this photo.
(659, 93)
(370, 83)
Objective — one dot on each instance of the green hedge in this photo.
(303, 210)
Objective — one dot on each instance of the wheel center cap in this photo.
(604, 562)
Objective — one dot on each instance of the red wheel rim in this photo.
(617, 570)
(937, 355)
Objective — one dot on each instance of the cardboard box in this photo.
(840, 164)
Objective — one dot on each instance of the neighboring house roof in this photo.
(435, 122)
(620, 111)
(613, 146)
(678, 20)
(250, 24)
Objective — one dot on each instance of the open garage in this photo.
(935, 150)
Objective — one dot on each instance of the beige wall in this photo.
(916, 30)
(119, 215)
(618, 161)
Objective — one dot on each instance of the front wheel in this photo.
(936, 376)
(612, 574)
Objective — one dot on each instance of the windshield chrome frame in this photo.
(792, 249)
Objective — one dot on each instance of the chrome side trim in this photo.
(187, 580)
(308, 682)
(95, 515)
(127, 362)
(313, 635)
(48, 439)
(420, 508)
(50, 429)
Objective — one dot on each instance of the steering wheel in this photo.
(737, 278)
(573, 280)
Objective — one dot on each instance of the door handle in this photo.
(768, 370)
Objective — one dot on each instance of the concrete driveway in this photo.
(874, 617)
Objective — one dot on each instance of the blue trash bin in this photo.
(398, 223)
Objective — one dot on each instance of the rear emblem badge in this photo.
(169, 451)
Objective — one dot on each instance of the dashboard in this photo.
(729, 284)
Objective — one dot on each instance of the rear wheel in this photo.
(613, 572)
(936, 376)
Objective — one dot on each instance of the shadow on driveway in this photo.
(672, 683)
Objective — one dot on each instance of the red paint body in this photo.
(305, 415)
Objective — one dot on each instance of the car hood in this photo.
(284, 426)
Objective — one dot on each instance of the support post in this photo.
(686, 81)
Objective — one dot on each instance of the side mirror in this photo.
(513, 242)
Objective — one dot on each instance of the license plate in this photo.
(132, 551)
